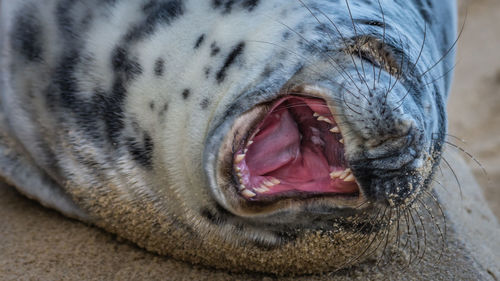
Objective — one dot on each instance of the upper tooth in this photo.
(316, 114)
(249, 143)
(247, 193)
(239, 158)
(350, 177)
(322, 118)
(335, 130)
(341, 141)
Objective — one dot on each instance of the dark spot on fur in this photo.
(205, 103)
(250, 4)
(65, 81)
(186, 93)
(207, 71)
(227, 5)
(163, 110)
(159, 67)
(156, 13)
(199, 41)
(27, 35)
(141, 151)
(124, 64)
(230, 59)
(213, 216)
(65, 20)
(152, 105)
(214, 49)
(113, 109)
(267, 72)
(286, 35)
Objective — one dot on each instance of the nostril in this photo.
(393, 144)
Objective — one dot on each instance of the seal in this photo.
(278, 136)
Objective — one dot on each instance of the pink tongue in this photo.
(276, 144)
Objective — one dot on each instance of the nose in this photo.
(387, 130)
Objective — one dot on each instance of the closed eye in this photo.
(376, 52)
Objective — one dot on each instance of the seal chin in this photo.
(286, 154)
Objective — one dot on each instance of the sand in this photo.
(39, 244)
(474, 105)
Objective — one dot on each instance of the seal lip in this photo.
(219, 165)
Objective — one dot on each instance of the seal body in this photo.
(140, 116)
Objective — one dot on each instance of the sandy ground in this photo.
(474, 105)
(39, 244)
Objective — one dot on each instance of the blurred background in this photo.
(474, 104)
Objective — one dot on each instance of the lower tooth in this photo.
(335, 130)
(275, 181)
(267, 183)
(242, 187)
(239, 158)
(261, 189)
(345, 173)
(350, 177)
(336, 174)
(341, 141)
(325, 119)
(248, 194)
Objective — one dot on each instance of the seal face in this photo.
(273, 136)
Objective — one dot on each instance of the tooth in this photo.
(322, 118)
(350, 177)
(341, 141)
(268, 183)
(239, 175)
(335, 174)
(248, 194)
(316, 114)
(245, 151)
(335, 130)
(275, 181)
(249, 143)
(345, 173)
(238, 169)
(239, 158)
(242, 187)
(261, 189)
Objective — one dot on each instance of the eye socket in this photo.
(376, 52)
(371, 22)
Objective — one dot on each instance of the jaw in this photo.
(284, 155)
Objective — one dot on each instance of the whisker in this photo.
(456, 178)
(449, 50)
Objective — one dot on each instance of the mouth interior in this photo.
(297, 149)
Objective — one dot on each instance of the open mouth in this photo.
(297, 149)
